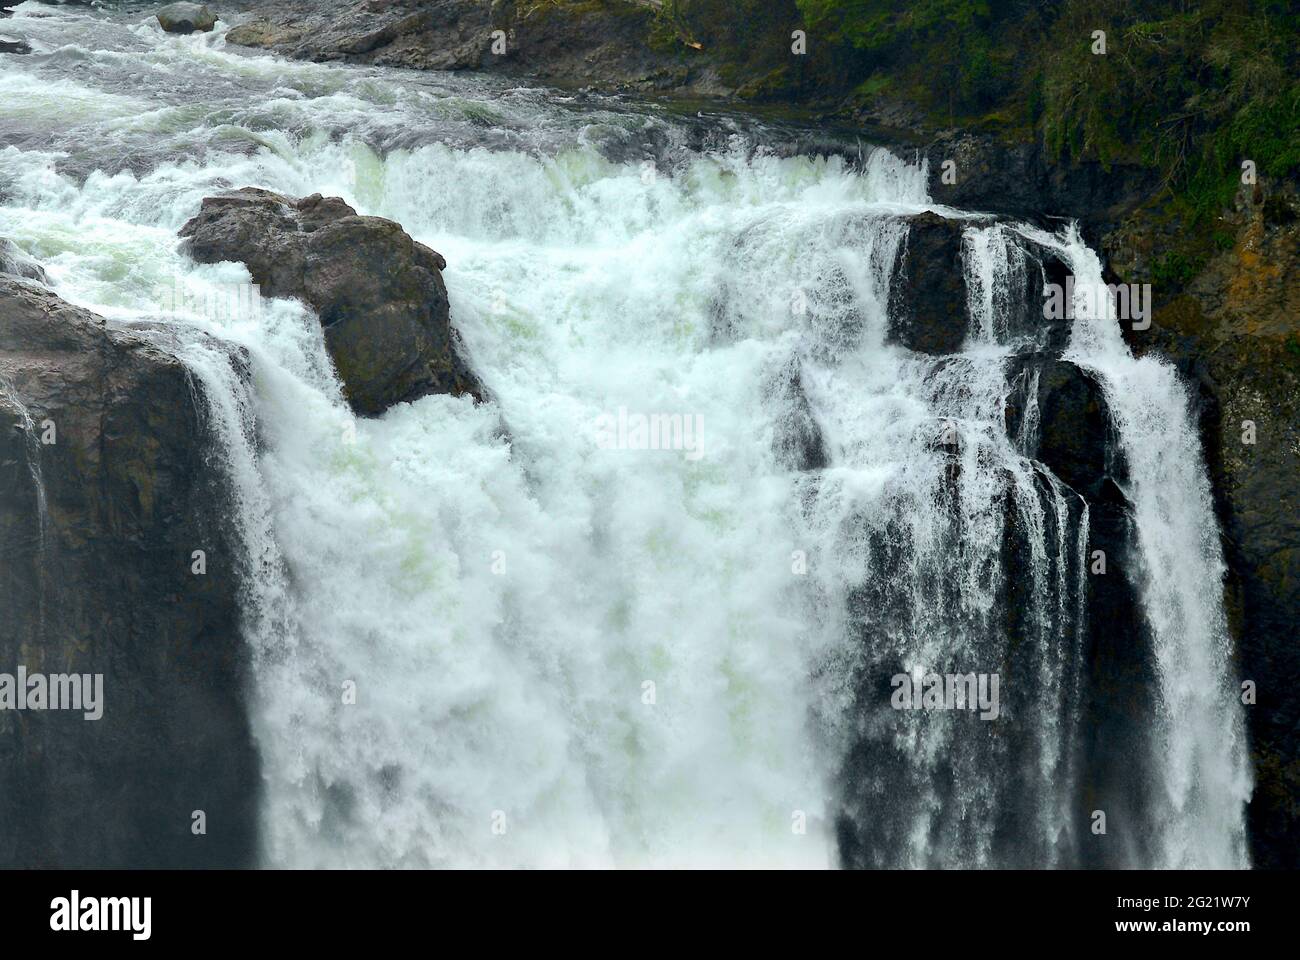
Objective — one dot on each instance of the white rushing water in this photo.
(1201, 740)
(481, 638)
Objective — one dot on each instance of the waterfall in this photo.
(1200, 740)
(482, 638)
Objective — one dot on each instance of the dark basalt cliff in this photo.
(929, 312)
(117, 551)
(1057, 414)
(109, 489)
(1233, 330)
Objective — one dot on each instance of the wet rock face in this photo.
(929, 309)
(930, 296)
(379, 294)
(106, 491)
(799, 442)
(186, 18)
(1059, 413)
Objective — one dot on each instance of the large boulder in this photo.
(186, 18)
(379, 294)
(108, 488)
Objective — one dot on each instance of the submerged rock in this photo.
(186, 18)
(109, 489)
(8, 45)
(379, 294)
(15, 262)
(799, 441)
(1057, 414)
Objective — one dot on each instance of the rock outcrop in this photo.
(109, 487)
(186, 18)
(930, 309)
(1019, 180)
(928, 313)
(1057, 413)
(379, 294)
(570, 44)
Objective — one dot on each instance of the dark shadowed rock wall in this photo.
(107, 488)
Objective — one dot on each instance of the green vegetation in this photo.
(1191, 89)
(1175, 268)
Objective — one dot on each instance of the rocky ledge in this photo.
(379, 294)
(570, 44)
(929, 311)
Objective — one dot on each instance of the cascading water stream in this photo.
(482, 639)
(1201, 740)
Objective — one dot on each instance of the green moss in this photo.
(771, 84)
(1175, 268)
